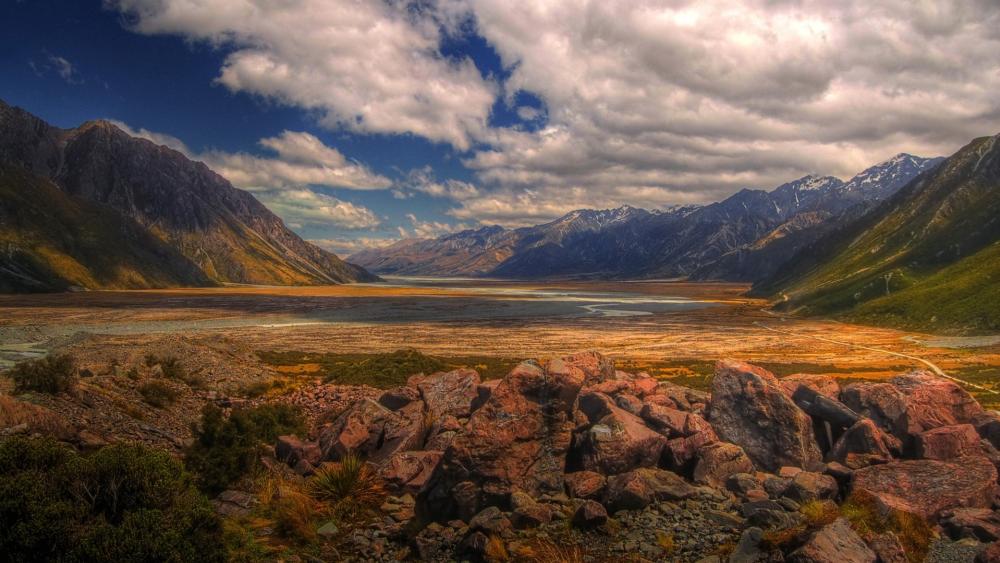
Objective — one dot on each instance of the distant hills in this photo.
(747, 237)
(93, 207)
(927, 258)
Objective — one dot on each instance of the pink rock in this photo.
(411, 472)
(822, 384)
(448, 393)
(618, 441)
(373, 431)
(834, 543)
(585, 484)
(864, 444)
(947, 442)
(718, 461)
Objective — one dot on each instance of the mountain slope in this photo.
(467, 253)
(923, 258)
(225, 232)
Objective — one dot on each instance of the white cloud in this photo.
(348, 246)
(427, 229)
(423, 180)
(304, 207)
(164, 139)
(367, 66)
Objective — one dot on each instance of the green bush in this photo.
(51, 374)
(121, 503)
(157, 394)
(172, 369)
(226, 449)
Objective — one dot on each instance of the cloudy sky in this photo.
(363, 121)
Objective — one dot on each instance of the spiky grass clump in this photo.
(547, 551)
(348, 487)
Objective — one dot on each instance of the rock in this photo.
(483, 392)
(590, 514)
(947, 442)
(770, 515)
(887, 548)
(808, 486)
(749, 408)
(411, 472)
(864, 444)
(989, 555)
(304, 468)
(328, 530)
(637, 489)
(291, 450)
(234, 503)
(789, 472)
(373, 431)
(834, 543)
(527, 513)
(593, 366)
(518, 440)
(824, 408)
(717, 461)
(585, 484)
(474, 544)
(742, 483)
(927, 488)
(983, 523)
(397, 398)
(448, 393)
(680, 454)
(822, 384)
(465, 498)
(490, 520)
(748, 549)
(618, 441)
(88, 440)
(987, 424)
(629, 403)
(776, 486)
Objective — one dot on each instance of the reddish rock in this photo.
(883, 403)
(679, 454)
(834, 543)
(864, 444)
(718, 461)
(989, 555)
(749, 408)
(411, 472)
(644, 384)
(822, 384)
(629, 403)
(983, 523)
(987, 423)
(291, 450)
(808, 486)
(448, 393)
(526, 513)
(927, 488)
(590, 514)
(637, 489)
(518, 440)
(617, 441)
(585, 484)
(373, 431)
(399, 397)
(483, 392)
(887, 548)
(593, 366)
(948, 442)
(670, 422)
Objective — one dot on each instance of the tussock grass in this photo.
(868, 518)
(348, 487)
(158, 394)
(38, 419)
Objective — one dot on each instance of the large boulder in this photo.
(948, 442)
(410, 472)
(585, 484)
(373, 431)
(717, 461)
(637, 489)
(822, 384)
(616, 441)
(449, 393)
(518, 439)
(927, 488)
(834, 543)
(292, 450)
(982, 523)
(864, 444)
(749, 408)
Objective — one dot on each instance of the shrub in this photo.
(158, 394)
(348, 486)
(172, 369)
(226, 448)
(867, 518)
(121, 503)
(51, 374)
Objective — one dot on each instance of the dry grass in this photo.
(496, 550)
(38, 419)
(287, 509)
(548, 551)
(868, 518)
(666, 542)
(819, 513)
(348, 487)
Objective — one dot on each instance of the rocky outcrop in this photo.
(750, 408)
(864, 444)
(834, 543)
(927, 488)
(373, 431)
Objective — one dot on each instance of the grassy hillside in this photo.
(924, 259)
(51, 241)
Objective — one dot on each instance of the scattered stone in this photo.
(449, 393)
(328, 530)
(291, 450)
(234, 503)
(619, 441)
(373, 431)
(590, 514)
(411, 472)
(887, 548)
(864, 444)
(490, 520)
(749, 408)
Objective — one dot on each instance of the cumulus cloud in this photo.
(364, 66)
(424, 180)
(348, 246)
(60, 66)
(304, 207)
(650, 103)
(427, 229)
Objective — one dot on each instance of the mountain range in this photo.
(746, 237)
(93, 207)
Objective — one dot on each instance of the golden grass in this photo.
(496, 550)
(38, 419)
(868, 518)
(548, 551)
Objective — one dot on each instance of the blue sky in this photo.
(364, 122)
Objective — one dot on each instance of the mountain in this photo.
(135, 200)
(928, 257)
(746, 237)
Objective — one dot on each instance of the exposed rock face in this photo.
(410, 472)
(448, 394)
(585, 484)
(518, 439)
(864, 444)
(718, 461)
(822, 384)
(948, 442)
(927, 487)
(636, 489)
(590, 514)
(834, 543)
(749, 408)
(982, 523)
(291, 450)
(616, 441)
(373, 431)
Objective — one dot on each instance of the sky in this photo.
(361, 122)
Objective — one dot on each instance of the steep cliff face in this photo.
(225, 232)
